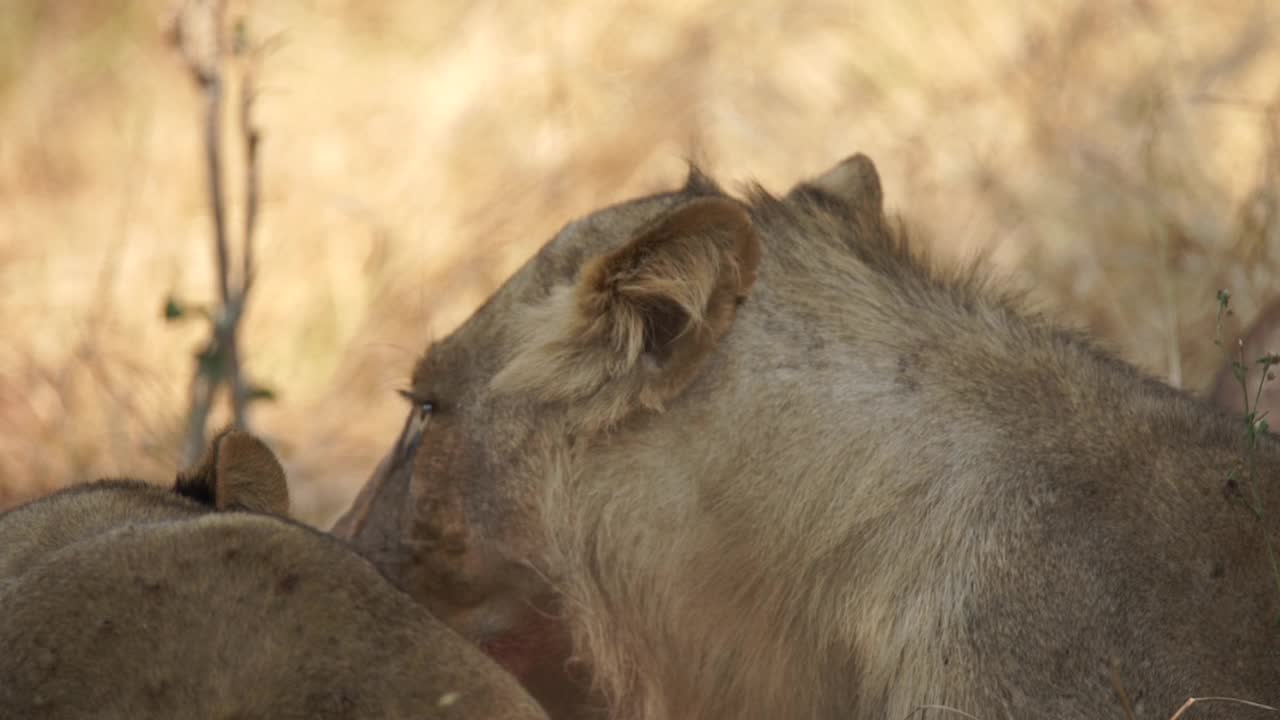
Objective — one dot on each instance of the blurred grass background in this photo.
(1120, 159)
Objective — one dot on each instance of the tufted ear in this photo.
(661, 301)
(641, 320)
(237, 472)
(853, 182)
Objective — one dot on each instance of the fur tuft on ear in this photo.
(641, 320)
(679, 278)
(854, 182)
(237, 472)
(697, 183)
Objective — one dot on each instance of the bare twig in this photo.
(1123, 695)
(1192, 701)
(212, 88)
(921, 709)
(218, 363)
(227, 320)
(1261, 106)
(252, 137)
(199, 403)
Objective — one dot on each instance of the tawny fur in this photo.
(884, 485)
(123, 600)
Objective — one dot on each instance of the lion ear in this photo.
(238, 472)
(642, 319)
(661, 301)
(854, 181)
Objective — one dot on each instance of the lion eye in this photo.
(422, 409)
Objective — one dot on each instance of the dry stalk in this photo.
(218, 364)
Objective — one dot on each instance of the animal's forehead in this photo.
(556, 264)
(444, 361)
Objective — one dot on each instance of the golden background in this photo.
(1119, 159)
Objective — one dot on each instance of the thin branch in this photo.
(1192, 701)
(234, 377)
(218, 364)
(921, 709)
(252, 137)
(199, 403)
(1121, 693)
(213, 166)
(1261, 106)
(207, 75)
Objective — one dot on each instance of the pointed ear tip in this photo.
(242, 439)
(697, 182)
(239, 446)
(861, 166)
(860, 158)
(247, 450)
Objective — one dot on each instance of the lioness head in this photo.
(123, 599)
(626, 315)
(237, 472)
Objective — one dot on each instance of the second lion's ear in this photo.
(237, 472)
(853, 181)
(641, 320)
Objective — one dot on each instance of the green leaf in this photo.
(260, 392)
(173, 310)
(210, 362)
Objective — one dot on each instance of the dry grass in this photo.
(1118, 157)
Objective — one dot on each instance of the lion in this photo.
(123, 599)
(763, 459)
